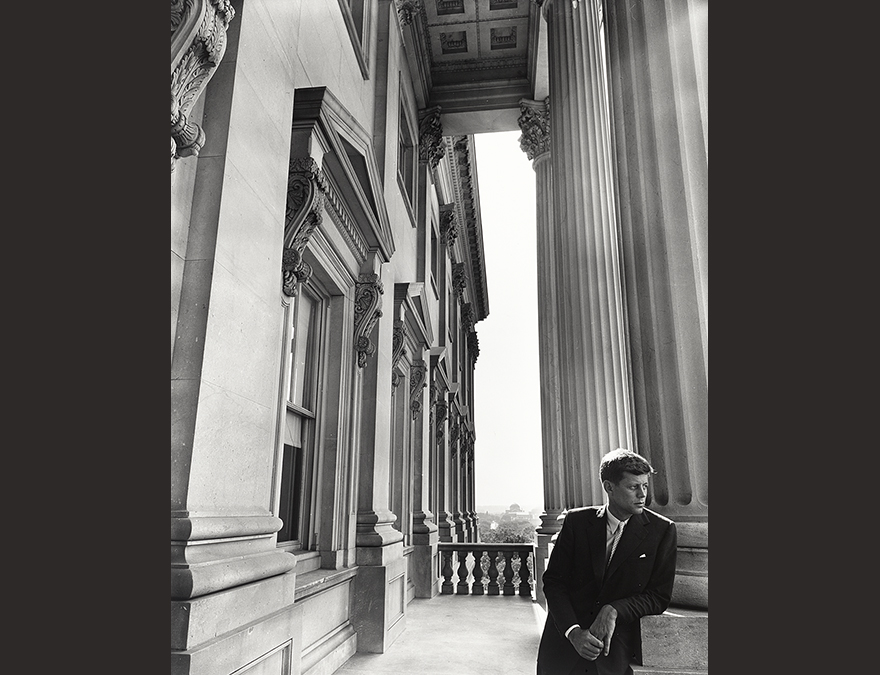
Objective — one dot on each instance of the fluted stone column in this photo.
(594, 375)
(659, 88)
(535, 142)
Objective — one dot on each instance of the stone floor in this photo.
(461, 635)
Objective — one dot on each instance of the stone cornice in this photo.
(366, 314)
(430, 136)
(534, 121)
(306, 187)
(198, 42)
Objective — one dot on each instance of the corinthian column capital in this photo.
(534, 121)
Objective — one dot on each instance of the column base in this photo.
(692, 566)
(379, 602)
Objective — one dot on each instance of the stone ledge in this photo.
(678, 640)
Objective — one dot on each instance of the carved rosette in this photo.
(459, 279)
(535, 124)
(366, 314)
(430, 136)
(417, 381)
(406, 11)
(193, 61)
(448, 226)
(398, 348)
(306, 187)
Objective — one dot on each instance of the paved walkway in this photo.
(460, 635)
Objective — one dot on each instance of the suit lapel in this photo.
(596, 538)
(633, 534)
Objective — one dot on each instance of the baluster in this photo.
(508, 573)
(446, 588)
(478, 573)
(525, 586)
(463, 588)
(493, 573)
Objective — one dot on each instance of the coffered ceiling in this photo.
(476, 59)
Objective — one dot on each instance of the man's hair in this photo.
(617, 461)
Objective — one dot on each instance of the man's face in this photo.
(627, 498)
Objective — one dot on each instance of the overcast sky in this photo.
(507, 411)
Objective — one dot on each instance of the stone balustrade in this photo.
(503, 569)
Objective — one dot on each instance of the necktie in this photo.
(614, 540)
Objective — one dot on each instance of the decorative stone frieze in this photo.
(430, 136)
(459, 279)
(198, 42)
(535, 124)
(366, 314)
(448, 225)
(398, 349)
(306, 186)
(417, 381)
(407, 10)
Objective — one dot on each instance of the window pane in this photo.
(291, 492)
(302, 357)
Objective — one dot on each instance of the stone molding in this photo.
(306, 187)
(430, 136)
(534, 121)
(198, 42)
(398, 349)
(448, 224)
(418, 381)
(366, 314)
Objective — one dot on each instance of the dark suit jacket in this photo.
(639, 582)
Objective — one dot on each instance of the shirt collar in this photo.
(613, 521)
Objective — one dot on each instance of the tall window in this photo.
(407, 162)
(356, 14)
(298, 459)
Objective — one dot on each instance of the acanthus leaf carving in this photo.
(430, 136)
(418, 380)
(368, 290)
(534, 121)
(473, 345)
(459, 279)
(407, 10)
(198, 42)
(306, 187)
(398, 349)
(448, 226)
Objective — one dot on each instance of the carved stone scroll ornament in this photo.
(198, 42)
(454, 430)
(430, 136)
(459, 279)
(440, 417)
(398, 348)
(535, 124)
(467, 317)
(448, 226)
(306, 186)
(407, 10)
(366, 314)
(473, 345)
(417, 381)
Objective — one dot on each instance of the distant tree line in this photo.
(514, 531)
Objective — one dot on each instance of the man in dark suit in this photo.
(610, 566)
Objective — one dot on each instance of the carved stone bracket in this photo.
(430, 136)
(467, 317)
(473, 345)
(198, 42)
(535, 124)
(366, 314)
(417, 381)
(306, 187)
(454, 430)
(448, 225)
(398, 349)
(440, 409)
(407, 10)
(459, 279)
